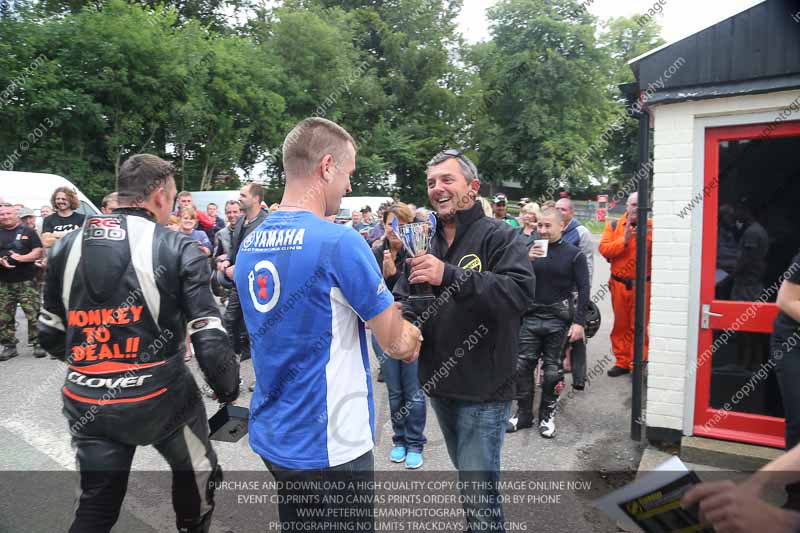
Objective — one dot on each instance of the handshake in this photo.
(399, 338)
(409, 345)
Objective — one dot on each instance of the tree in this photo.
(90, 82)
(543, 94)
(398, 94)
(622, 40)
(211, 13)
(122, 80)
(316, 69)
(232, 112)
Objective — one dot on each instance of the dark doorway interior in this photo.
(758, 234)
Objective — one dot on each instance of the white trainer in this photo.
(547, 427)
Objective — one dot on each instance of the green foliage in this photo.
(623, 40)
(402, 86)
(123, 80)
(207, 12)
(543, 94)
(87, 83)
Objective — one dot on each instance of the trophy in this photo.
(416, 238)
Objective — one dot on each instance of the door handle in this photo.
(705, 313)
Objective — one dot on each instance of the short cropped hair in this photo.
(140, 176)
(468, 168)
(256, 190)
(309, 142)
(547, 211)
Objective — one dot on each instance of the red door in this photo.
(751, 231)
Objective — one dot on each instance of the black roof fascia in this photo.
(705, 92)
(761, 43)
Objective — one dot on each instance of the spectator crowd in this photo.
(498, 305)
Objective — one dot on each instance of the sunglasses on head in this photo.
(452, 152)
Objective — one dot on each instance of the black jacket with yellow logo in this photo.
(471, 329)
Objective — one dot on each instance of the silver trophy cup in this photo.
(416, 238)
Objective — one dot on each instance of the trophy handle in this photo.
(432, 222)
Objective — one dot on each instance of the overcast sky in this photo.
(678, 18)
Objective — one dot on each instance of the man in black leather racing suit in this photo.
(119, 296)
(550, 322)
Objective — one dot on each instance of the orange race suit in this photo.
(622, 257)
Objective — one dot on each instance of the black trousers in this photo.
(541, 336)
(105, 466)
(233, 320)
(339, 498)
(787, 371)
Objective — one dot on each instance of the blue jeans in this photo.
(474, 432)
(406, 401)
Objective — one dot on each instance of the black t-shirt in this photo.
(785, 325)
(56, 222)
(22, 240)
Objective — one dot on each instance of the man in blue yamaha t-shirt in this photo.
(307, 286)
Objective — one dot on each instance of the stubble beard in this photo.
(448, 216)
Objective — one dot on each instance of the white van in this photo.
(33, 190)
(355, 203)
(201, 199)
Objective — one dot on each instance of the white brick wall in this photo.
(674, 410)
(661, 421)
(674, 187)
(671, 151)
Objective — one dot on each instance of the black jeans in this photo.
(541, 335)
(306, 496)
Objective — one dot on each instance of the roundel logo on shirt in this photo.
(264, 285)
(471, 262)
(248, 241)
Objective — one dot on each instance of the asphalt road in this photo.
(592, 446)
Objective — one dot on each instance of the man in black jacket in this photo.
(483, 282)
(250, 197)
(119, 296)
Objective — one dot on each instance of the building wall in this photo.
(674, 306)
